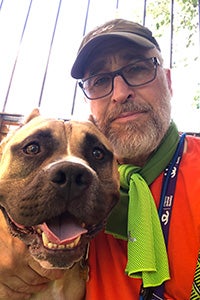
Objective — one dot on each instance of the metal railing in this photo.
(84, 22)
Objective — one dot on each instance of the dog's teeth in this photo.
(45, 239)
(69, 246)
(61, 246)
(39, 231)
(74, 244)
(77, 240)
(51, 245)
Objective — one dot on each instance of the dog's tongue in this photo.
(63, 229)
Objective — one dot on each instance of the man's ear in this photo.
(169, 81)
(35, 113)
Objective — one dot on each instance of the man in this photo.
(120, 70)
(119, 67)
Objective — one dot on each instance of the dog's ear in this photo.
(35, 113)
(4, 129)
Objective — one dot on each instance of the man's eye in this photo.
(99, 81)
(32, 149)
(137, 69)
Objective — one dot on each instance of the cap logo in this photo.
(102, 30)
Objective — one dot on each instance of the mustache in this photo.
(125, 108)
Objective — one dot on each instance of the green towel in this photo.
(146, 250)
(147, 256)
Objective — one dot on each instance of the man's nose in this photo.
(121, 90)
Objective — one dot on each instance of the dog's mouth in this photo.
(58, 233)
(63, 232)
(58, 242)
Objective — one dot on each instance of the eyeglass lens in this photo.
(136, 74)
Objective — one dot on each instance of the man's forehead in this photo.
(104, 57)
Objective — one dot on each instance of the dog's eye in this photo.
(32, 149)
(98, 153)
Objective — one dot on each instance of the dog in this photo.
(58, 184)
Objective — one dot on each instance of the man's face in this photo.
(134, 119)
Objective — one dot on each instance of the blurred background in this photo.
(39, 40)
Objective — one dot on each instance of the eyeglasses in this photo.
(136, 74)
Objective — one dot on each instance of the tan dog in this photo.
(58, 184)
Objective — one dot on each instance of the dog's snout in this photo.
(70, 176)
(59, 177)
(62, 177)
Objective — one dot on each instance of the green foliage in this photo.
(197, 98)
(184, 14)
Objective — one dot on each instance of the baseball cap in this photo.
(126, 29)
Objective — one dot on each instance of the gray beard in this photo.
(133, 143)
(138, 142)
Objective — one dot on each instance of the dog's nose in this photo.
(71, 177)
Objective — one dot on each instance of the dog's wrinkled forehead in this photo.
(37, 125)
(83, 133)
(69, 136)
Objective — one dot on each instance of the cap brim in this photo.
(84, 54)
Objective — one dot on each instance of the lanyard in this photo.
(165, 210)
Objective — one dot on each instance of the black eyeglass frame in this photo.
(119, 72)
